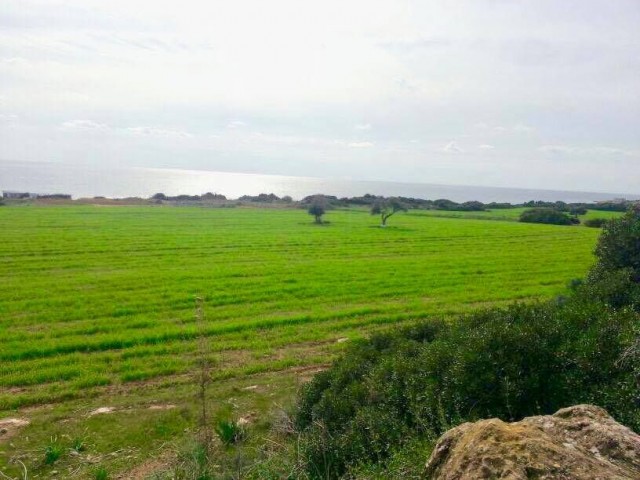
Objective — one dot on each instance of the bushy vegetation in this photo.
(502, 362)
(613, 205)
(207, 197)
(595, 222)
(615, 278)
(507, 363)
(547, 215)
(318, 207)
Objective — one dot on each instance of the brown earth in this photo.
(9, 427)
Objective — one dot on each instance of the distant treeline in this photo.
(188, 198)
(619, 205)
(29, 195)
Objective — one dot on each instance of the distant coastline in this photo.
(89, 182)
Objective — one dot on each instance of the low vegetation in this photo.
(117, 287)
(397, 388)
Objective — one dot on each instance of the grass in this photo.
(53, 452)
(96, 302)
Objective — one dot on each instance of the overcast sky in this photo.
(538, 94)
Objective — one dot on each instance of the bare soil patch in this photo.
(9, 427)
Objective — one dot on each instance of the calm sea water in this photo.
(84, 181)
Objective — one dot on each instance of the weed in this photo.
(230, 431)
(100, 473)
(52, 452)
(78, 444)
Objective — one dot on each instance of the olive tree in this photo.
(318, 207)
(386, 207)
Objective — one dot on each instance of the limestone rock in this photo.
(577, 443)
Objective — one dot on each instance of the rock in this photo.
(578, 443)
(101, 411)
(168, 406)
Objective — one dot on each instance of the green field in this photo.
(97, 303)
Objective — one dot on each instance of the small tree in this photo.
(318, 207)
(387, 207)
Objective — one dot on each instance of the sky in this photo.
(532, 94)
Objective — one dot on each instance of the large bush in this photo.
(506, 363)
(547, 215)
(615, 278)
(595, 222)
(619, 245)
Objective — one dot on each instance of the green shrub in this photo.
(619, 245)
(595, 222)
(229, 431)
(507, 363)
(615, 278)
(547, 215)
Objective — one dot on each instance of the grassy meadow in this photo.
(97, 303)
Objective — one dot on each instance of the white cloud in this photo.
(84, 125)
(157, 132)
(557, 149)
(452, 147)
(515, 129)
(486, 146)
(521, 128)
(405, 44)
(363, 126)
(360, 145)
(236, 124)
(290, 140)
(583, 151)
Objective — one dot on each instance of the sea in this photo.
(82, 181)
